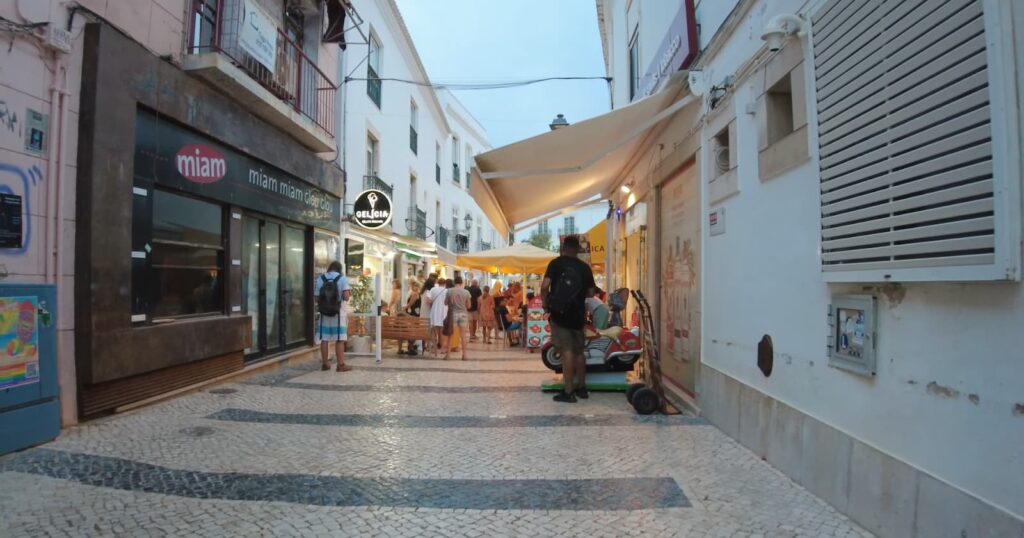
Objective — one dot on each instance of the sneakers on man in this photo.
(582, 393)
(564, 397)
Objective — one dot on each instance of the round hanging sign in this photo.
(372, 209)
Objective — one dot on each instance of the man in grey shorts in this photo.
(568, 282)
(458, 301)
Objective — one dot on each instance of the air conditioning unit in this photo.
(722, 159)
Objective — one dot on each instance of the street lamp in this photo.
(469, 222)
(558, 122)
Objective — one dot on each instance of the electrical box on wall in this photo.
(852, 334)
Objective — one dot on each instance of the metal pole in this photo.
(377, 321)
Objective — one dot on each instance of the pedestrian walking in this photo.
(474, 308)
(332, 291)
(567, 283)
(438, 311)
(426, 300)
(485, 307)
(459, 300)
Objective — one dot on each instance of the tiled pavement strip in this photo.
(471, 449)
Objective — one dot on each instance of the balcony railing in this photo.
(460, 244)
(376, 183)
(373, 86)
(418, 222)
(455, 173)
(467, 179)
(216, 26)
(483, 245)
(413, 140)
(437, 173)
(442, 236)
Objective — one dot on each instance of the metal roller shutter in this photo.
(905, 136)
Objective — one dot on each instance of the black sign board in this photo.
(170, 155)
(10, 221)
(372, 209)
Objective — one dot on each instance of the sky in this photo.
(490, 41)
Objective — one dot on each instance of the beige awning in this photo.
(484, 198)
(573, 164)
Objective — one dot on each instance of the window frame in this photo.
(633, 59)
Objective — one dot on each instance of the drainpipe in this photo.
(52, 172)
(58, 179)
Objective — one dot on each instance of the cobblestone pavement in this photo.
(414, 447)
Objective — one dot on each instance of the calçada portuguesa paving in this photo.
(414, 447)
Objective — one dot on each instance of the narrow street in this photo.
(414, 447)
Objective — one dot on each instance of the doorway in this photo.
(274, 284)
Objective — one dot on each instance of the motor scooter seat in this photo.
(611, 332)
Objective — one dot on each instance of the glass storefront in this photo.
(274, 283)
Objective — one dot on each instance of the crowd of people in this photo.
(568, 293)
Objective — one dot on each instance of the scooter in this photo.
(612, 348)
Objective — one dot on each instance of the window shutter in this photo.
(905, 137)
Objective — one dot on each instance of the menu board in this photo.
(538, 330)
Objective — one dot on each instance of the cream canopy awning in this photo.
(518, 258)
(564, 167)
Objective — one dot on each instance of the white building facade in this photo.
(413, 142)
(830, 235)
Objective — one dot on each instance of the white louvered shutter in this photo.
(905, 137)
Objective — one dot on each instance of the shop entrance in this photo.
(679, 270)
(274, 284)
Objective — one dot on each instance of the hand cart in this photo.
(648, 395)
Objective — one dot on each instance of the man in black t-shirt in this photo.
(474, 308)
(567, 308)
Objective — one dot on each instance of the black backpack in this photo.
(329, 300)
(565, 290)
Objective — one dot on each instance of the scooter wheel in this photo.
(645, 401)
(632, 390)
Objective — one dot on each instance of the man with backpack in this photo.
(331, 290)
(567, 283)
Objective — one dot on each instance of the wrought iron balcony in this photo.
(437, 173)
(373, 86)
(417, 223)
(455, 173)
(290, 89)
(376, 183)
(442, 236)
(460, 244)
(413, 140)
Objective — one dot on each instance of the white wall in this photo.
(763, 276)
(390, 125)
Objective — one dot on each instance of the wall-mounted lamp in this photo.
(781, 27)
(625, 189)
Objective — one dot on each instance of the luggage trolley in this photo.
(648, 395)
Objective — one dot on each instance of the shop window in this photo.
(187, 257)
(354, 251)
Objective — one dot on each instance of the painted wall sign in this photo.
(372, 209)
(258, 34)
(35, 131)
(200, 164)
(10, 221)
(677, 50)
(172, 156)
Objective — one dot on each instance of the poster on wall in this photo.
(258, 34)
(19, 341)
(679, 245)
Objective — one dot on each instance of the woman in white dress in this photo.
(438, 311)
